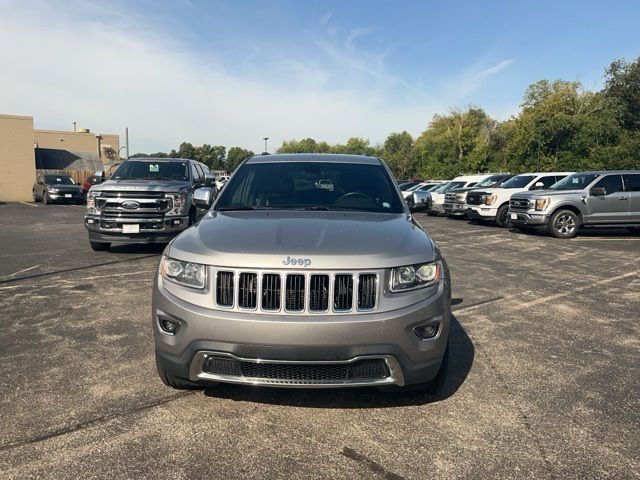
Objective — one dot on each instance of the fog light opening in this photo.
(428, 331)
(168, 326)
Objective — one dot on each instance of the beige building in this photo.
(24, 149)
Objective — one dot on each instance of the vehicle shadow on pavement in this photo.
(582, 233)
(461, 351)
(138, 248)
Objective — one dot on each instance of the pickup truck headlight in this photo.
(461, 197)
(415, 276)
(183, 273)
(178, 202)
(91, 202)
(52, 190)
(490, 199)
(542, 203)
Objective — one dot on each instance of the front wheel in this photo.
(502, 217)
(564, 224)
(99, 246)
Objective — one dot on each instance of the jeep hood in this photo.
(140, 185)
(330, 240)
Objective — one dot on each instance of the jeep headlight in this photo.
(490, 199)
(183, 273)
(91, 202)
(542, 203)
(178, 201)
(415, 276)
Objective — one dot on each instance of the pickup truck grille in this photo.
(132, 202)
(313, 293)
(475, 198)
(519, 204)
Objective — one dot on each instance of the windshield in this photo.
(138, 170)
(408, 186)
(490, 181)
(311, 186)
(58, 180)
(519, 181)
(577, 181)
(449, 186)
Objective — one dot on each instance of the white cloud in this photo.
(65, 65)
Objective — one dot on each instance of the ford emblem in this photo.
(130, 205)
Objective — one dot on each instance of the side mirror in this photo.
(209, 181)
(537, 186)
(598, 191)
(203, 197)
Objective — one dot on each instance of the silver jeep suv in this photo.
(589, 199)
(284, 283)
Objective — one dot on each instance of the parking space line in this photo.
(30, 204)
(75, 269)
(22, 271)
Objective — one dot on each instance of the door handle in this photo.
(623, 198)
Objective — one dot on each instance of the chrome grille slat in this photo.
(224, 289)
(343, 293)
(248, 290)
(367, 291)
(319, 293)
(271, 292)
(294, 293)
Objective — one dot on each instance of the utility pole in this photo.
(126, 141)
(74, 126)
(265, 144)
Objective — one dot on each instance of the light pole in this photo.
(265, 144)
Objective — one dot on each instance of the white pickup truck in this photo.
(492, 204)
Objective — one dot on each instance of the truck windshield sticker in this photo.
(154, 168)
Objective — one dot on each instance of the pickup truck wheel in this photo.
(502, 217)
(99, 246)
(564, 224)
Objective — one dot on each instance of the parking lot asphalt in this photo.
(543, 382)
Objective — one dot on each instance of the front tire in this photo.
(99, 246)
(564, 224)
(502, 217)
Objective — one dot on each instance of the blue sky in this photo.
(231, 72)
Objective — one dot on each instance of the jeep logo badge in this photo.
(303, 262)
(130, 205)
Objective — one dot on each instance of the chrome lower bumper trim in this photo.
(196, 372)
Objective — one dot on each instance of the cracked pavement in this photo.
(543, 382)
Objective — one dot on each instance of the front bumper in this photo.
(481, 213)
(454, 209)
(74, 197)
(529, 217)
(151, 229)
(434, 207)
(294, 339)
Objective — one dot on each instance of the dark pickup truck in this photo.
(146, 200)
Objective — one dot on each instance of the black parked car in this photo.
(54, 188)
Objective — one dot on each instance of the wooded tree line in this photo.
(216, 157)
(561, 126)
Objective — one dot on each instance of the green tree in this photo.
(186, 150)
(397, 151)
(235, 157)
(623, 87)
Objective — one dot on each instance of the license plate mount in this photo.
(130, 228)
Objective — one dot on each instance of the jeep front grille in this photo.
(296, 292)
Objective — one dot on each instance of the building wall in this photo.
(79, 142)
(17, 159)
